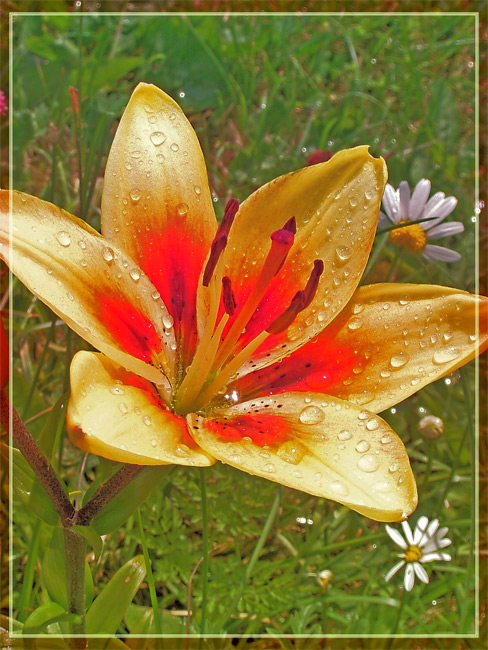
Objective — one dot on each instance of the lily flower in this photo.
(246, 342)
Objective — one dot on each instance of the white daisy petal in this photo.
(383, 220)
(420, 530)
(445, 229)
(396, 537)
(433, 526)
(409, 577)
(439, 212)
(442, 533)
(433, 253)
(419, 199)
(430, 557)
(421, 572)
(408, 533)
(391, 203)
(404, 193)
(392, 571)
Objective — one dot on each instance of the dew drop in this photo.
(362, 446)
(385, 373)
(343, 253)
(311, 415)
(198, 191)
(82, 244)
(153, 442)
(135, 274)
(174, 147)
(321, 316)
(135, 154)
(354, 324)
(368, 463)
(182, 208)
(107, 254)
(147, 420)
(444, 355)
(381, 486)
(291, 452)
(63, 238)
(270, 468)
(116, 390)
(368, 195)
(155, 295)
(344, 435)
(157, 138)
(168, 322)
(182, 451)
(393, 467)
(123, 408)
(399, 360)
(386, 439)
(372, 424)
(358, 308)
(135, 195)
(339, 488)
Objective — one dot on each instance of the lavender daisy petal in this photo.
(445, 229)
(433, 253)
(419, 199)
(391, 203)
(404, 194)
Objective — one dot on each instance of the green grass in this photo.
(262, 92)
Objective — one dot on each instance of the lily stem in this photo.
(203, 490)
(158, 628)
(36, 459)
(75, 548)
(254, 558)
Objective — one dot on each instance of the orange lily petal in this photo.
(317, 444)
(96, 288)
(390, 341)
(336, 206)
(156, 202)
(118, 415)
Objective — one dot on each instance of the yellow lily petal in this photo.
(336, 206)
(406, 336)
(317, 444)
(95, 287)
(117, 415)
(156, 202)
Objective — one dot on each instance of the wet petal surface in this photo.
(117, 415)
(390, 341)
(93, 285)
(156, 201)
(317, 444)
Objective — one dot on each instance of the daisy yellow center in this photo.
(413, 554)
(413, 238)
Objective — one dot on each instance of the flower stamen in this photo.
(413, 238)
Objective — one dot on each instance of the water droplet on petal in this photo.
(107, 254)
(123, 408)
(343, 253)
(182, 208)
(168, 322)
(339, 488)
(270, 468)
(82, 244)
(135, 274)
(372, 424)
(386, 439)
(344, 435)
(135, 195)
(444, 355)
(399, 360)
(198, 191)
(174, 147)
(393, 467)
(182, 451)
(381, 486)
(311, 415)
(147, 420)
(63, 238)
(362, 446)
(291, 452)
(157, 138)
(153, 442)
(368, 463)
(116, 390)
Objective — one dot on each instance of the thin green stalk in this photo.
(374, 257)
(150, 578)
(254, 558)
(28, 578)
(394, 264)
(203, 491)
(400, 610)
(40, 365)
(75, 548)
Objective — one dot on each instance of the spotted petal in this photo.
(336, 206)
(390, 341)
(317, 444)
(118, 415)
(93, 285)
(156, 200)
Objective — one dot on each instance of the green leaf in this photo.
(28, 487)
(108, 609)
(54, 571)
(97, 74)
(48, 432)
(125, 503)
(44, 615)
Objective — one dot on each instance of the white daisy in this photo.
(402, 208)
(422, 546)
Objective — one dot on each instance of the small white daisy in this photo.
(401, 208)
(422, 546)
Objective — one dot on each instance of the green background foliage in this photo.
(263, 92)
